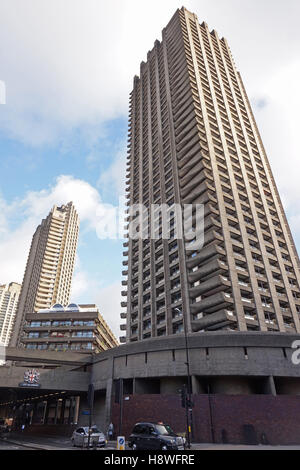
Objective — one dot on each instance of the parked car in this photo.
(80, 437)
(154, 436)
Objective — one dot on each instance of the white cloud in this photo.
(108, 300)
(279, 118)
(15, 241)
(80, 282)
(70, 63)
(86, 289)
(113, 179)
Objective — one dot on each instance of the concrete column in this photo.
(62, 411)
(270, 388)
(76, 411)
(56, 412)
(71, 410)
(195, 385)
(108, 399)
(46, 413)
(34, 411)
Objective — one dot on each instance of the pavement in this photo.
(18, 441)
(30, 442)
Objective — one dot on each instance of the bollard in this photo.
(120, 443)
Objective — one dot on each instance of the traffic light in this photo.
(189, 403)
(91, 396)
(183, 397)
(118, 391)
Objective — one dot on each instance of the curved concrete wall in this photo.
(218, 354)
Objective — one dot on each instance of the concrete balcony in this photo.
(187, 163)
(124, 283)
(210, 284)
(125, 273)
(192, 182)
(212, 303)
(204, 254)
(214, 266)
(123, 304)
(189, 156)
(192, 171)
(213, 319)
(122, 339)
(245, 286)
(187, 120)
(248, 303)
(212, 235)
(211, 222)
(188, 146)
(124, 293)
(202, 188)
(183, 99)
(125, 263)
(208, 210)
(123, 327)
(123, 315)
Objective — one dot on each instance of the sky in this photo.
(68, 68)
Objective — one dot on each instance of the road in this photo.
(8, 446)
(18, 441)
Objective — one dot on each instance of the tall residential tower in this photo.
(50, 265)
(9, 298)
(193, 139)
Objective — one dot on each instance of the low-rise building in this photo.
(75, 327)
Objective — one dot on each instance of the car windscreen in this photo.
(165, 430)
(95, 430)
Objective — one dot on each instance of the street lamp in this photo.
(189, 387)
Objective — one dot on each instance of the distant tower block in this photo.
(50, 265)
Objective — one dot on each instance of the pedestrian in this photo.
(23, 427)
(110, 431)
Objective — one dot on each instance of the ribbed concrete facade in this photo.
(50, 265)
(9, 298)
(193, 139)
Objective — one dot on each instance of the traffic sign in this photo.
(120, 443)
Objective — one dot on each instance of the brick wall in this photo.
(276, 417)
